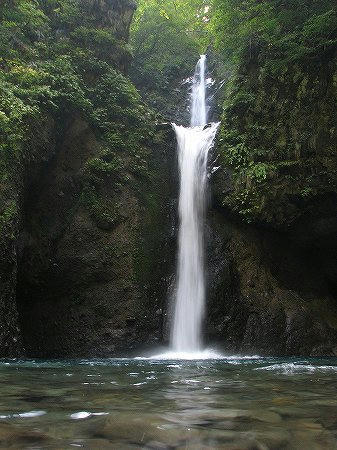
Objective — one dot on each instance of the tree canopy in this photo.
(278, 31)
(167, 37)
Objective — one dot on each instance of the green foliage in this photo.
(94, 37)
(102, 209)
(278, 129)
(40, 74)
(275, 31)
(167, 37)
(59, 61)
(258, 172)
(105, 165)
(65, 13)
(116, 99)
(21, 23)
(9, 214)
(13, 115)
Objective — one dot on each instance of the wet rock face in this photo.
(114, 14)
(279, 139)
(87, 288)
(9, 224)
(10, 341)
(13, 175)
(76, 282)
(276, 290)
(268, 293)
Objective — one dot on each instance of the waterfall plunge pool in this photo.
(228, 403)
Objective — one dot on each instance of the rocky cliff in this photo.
(83, 215)
(88, 195)
(275, 194)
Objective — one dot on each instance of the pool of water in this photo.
(230, 403)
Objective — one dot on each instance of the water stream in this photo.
(194, 144)
(230, 403)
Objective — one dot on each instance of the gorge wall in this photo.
(84, 218)
(88, 194)
(275, 194)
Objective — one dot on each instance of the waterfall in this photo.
(198, 110)
(194, 144)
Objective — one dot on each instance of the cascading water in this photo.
(198, 110)
(194, 144)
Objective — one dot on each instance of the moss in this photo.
(104, 211)
(99, 166)
(278, 138)
(9, 214)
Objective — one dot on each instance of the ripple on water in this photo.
(291, 368)
(24, 415)
(172, 404)
(85, 415)
(204, 355)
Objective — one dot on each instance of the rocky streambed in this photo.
(228, 403)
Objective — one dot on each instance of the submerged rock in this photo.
(15, 436)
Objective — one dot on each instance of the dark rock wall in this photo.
(273, 246)
(268, 294)
(115, 14)
(14, 176)
(88, 287)
(9, 329)
(278, 143)
(84, 223)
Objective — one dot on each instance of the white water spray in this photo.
(194, 144)
(198, 110)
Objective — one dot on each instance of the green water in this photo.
(262, 403)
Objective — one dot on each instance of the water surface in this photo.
(232, 403)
